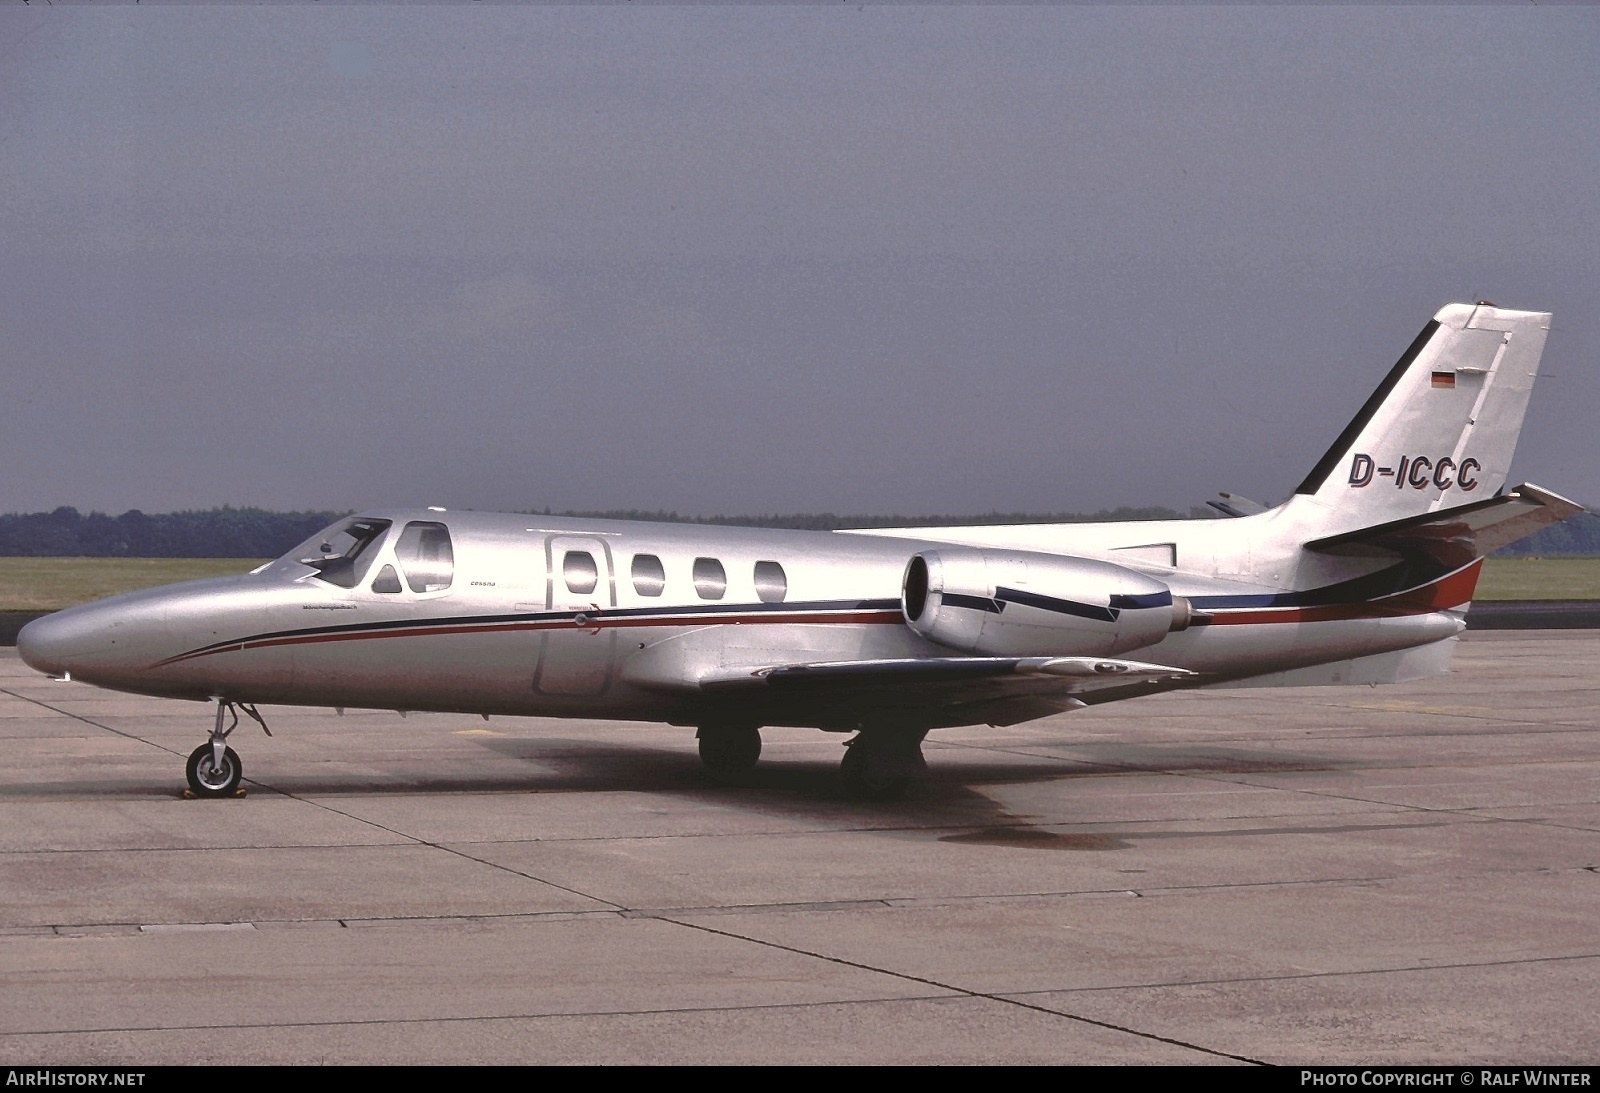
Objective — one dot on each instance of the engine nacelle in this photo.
(1013, 603)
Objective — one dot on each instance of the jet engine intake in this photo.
(1021, 603)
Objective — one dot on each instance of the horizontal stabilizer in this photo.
(1231, 504)
(1458, 535)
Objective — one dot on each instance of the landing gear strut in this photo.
(214, 769)
(880, 764)
(729, 751)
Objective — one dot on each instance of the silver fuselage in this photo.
(509, 635)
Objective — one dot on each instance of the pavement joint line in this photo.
(956, 996)
(1549, 823)
(208, 849)
(1471, 814)
(1003, 999)
(1456, 713)
(1399, 969)
(1552, 728)
(618, 911)
(1116, 769)
(444, 849)
(86, 721)
(1463, 811)
(818, 906)
(667, 913)
(511, 918)
(128, 929)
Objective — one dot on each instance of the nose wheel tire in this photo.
(207, 779)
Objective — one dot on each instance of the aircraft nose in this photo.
(50, 644)
(75, 640)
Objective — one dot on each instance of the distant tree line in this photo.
(256, 533)
(214, 533)
(1578, 535)
(828, 521)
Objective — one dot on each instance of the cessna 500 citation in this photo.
(1363, 575)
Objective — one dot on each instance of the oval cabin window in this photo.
(580, 572)
(649, 577)
(710, 579)
(772, 585)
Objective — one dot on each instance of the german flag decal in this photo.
(1444, 379)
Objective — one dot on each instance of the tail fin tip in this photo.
(1441, 428)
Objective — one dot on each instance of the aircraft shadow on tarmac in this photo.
(951, 796)
(588, 764)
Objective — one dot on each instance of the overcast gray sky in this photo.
(752, 259)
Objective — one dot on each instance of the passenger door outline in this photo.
(574, 658)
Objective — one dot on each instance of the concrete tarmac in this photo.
(1406, 874)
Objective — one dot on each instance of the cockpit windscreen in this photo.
(339, 554)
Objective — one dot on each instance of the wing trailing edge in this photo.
(1070, 675)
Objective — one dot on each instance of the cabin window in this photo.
(387, 580)
(772, 585)
(339, 555)
(580, 572)
(425, 554)
(649, 577)
(710, 579)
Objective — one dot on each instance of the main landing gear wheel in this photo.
(880, 764)
(860, 782)
(729, 752)
(209, 779)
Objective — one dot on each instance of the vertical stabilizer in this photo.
(1440, 430)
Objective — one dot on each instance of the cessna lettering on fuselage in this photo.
(1417, 471)
(883, 634)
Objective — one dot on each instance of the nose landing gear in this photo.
(211, 776)
(214, 769)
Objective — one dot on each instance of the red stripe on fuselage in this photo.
(1451, 590)
(591, 624)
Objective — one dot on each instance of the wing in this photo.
(935, 692)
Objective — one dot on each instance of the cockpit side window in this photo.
(425, 554)
(339, 555)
